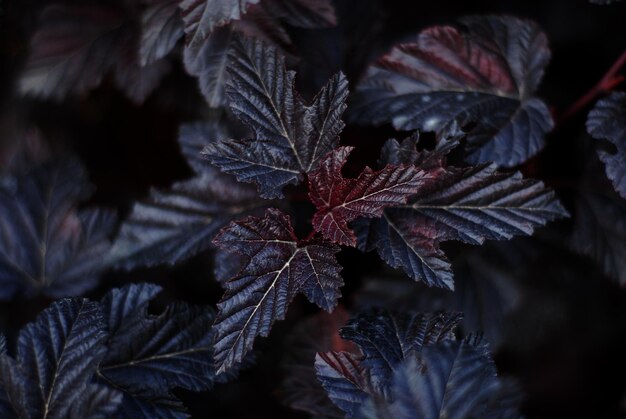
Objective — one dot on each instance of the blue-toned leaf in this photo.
(344, 379)
(290, 137)
(177, 223)
(149, 355)
(471, 205)
(451, 380)
(277, 268)
(607, 121)
(387, 338)
(46, 245)
(484, 71)
(57, 356)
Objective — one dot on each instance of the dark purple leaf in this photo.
(339, 200)
(72, 50)
(278, 267)
(57, 356)
(149, 355)
(46, 245)
(179, 222)
(290, 137)
(485, 72)
(471, 205)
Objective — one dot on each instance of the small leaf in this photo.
(290, 137)
(485, 71)
(339, 200)
(608, 121)
(278, 267)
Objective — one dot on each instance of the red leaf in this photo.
(340, 200)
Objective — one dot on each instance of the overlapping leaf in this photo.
(412, 367)
(83, 359)
(471, 205)
(486, 289)
(300, 389)
(290, 137)
(278, 267)
(75, 47)
(385, 340)
(485, 72)
(339, 200)
(449, 380)
(179, 222)
(206, 52)
(607, 121)
(46, 245)
(57, 356)
(149, 355)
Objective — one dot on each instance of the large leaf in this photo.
(46, 245)
(340, 200)
(387, 338)
(277, 268)
(453, 380)
(485, 72)
(72, 50)
(149, 355)
(179, 222)
(608, 121)
(471, 205)
(290, 137)
(57, 356)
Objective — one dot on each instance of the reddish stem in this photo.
(310, 236)
(610, 80)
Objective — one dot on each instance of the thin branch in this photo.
(610, 80)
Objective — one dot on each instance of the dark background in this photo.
(566, 343)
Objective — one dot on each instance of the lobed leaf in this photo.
(339, 200)
(471, 205)
(290, 137)
(278, 267)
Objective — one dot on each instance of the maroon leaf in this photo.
(339, 200)
(483, 71)
(278, 267)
